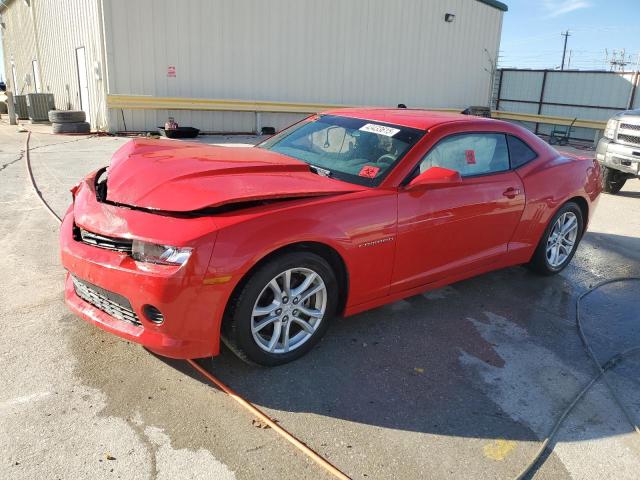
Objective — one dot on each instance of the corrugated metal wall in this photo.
(360, 52)
(61, 28)
(356, 52)
(585, 95)
(19, 46)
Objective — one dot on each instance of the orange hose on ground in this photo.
(246, 404)
(267, 420)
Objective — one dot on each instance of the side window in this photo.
(519, 152)
(470, 154)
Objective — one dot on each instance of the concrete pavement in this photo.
(461, 382)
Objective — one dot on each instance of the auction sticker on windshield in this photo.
(379, 129)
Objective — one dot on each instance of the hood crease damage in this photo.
(183, 179)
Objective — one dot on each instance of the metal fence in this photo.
(588, 95)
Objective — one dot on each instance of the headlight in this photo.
(162, 254)
(610, 129)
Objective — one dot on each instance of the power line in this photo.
(619, 63)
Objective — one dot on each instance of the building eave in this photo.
(495, 4)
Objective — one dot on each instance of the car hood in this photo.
(177, 176)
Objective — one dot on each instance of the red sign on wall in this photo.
(171, 71)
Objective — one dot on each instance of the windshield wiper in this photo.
(323, 172)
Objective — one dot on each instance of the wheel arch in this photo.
(323, 250)
(584, 208)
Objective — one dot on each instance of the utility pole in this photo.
(566, 35)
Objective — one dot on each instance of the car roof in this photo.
(406, 117)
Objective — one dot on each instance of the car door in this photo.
(450, 229)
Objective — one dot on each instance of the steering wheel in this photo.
(387, 158)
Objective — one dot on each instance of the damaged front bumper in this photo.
(169, 309)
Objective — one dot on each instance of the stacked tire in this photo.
(69, 121)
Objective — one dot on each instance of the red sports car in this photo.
(179, 245)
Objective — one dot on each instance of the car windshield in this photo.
(350, 149)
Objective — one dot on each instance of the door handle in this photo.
(511, 192)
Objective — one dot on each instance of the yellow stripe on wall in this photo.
(144, 102)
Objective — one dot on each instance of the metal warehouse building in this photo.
(237, 65)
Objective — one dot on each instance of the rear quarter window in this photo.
(519, 152)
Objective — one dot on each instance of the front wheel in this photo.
(559, 241)
(283, 310)
(612, 180)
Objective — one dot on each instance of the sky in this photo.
(531, 33)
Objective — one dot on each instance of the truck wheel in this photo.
(66, 116)
(612, 180)
(71, 127)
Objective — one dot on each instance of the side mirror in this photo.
(435, 176)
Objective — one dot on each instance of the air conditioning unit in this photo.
(20, 101)
(38, 106)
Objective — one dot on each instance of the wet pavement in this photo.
(459, 382)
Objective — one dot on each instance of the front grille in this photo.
(101, 241)
(111, 303)
(629, 139)
(630, 126)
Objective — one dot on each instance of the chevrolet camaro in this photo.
(178, 246)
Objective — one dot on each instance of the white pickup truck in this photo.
(619, 150)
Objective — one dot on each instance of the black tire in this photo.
(612, 180)
(553, 140)
(67, 116)
(539, 262)
(78, 127)
(237, 334)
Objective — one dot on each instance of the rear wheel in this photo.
(612, 180)
(559, 241)
(283, 310)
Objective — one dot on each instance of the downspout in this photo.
(32, 9)
(104, 68)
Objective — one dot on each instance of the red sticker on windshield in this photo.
(470, 156)
(369, 171)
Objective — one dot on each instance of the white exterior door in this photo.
(14, 88)
(36, 76)
(83, 81)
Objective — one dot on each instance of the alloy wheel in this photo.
(289, 310)
(562, 239)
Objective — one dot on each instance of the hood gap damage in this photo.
(101, 189)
